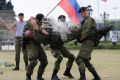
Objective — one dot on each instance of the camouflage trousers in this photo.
(84, 56)
(59, 53)
(35, 53)
(18, 46)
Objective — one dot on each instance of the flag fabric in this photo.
(71, 7)
(104, 0)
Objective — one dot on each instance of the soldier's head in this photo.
(21, 16)
(62, 18)
(39, 17)
(83, 11)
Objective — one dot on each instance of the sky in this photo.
(32, 7)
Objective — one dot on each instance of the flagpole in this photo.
(98, 10)
(53, 9)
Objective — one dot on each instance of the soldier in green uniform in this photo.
(58, 51)
(88, 27)
(34, 48)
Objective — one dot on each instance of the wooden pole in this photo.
(53, 9)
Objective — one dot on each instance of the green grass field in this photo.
(106, 62)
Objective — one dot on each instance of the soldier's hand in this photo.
(44, 32)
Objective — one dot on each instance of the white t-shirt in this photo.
(19, 28)
(114, 38)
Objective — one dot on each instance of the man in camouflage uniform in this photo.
(88, 26)
(35, 50)
(58, 51)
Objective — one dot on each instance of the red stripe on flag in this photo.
(68, 8)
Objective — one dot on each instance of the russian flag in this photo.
(71, 7)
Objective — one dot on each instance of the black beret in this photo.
(61, 16)
(39, 17)
(20, 14)
(82, 9)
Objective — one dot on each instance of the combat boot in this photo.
(55, 77)
(28, 77)
(96, 76)
(17, 66)
(39, 77)
(67, 73)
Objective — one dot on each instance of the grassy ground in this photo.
(106, 62)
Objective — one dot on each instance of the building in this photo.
(6, 13)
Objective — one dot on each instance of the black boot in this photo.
(17, 66)
(67, 73)
(92, 70)
(39, 77)
(55, 77)
(28, 77)
(26, 65)
(96, 76)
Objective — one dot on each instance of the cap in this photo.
(20, 14)
(82, 9)
(61, 16)
(39, 17)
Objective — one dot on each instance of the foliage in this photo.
(115, 23)
(102, 45)
(108, 45)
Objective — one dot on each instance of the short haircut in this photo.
(61, 16)
(20, 14)
(82, 9)
(39, 17)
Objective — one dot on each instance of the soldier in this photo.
(88, 27)
(35, 50)
(19, 26)
(59, 51)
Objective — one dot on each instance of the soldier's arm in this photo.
(13, 26)
(37, 35)
(5, 24)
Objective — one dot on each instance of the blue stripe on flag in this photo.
(76, 7)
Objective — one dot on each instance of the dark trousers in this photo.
(36, 52)
(18, 46)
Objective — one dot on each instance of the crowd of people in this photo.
(30, 35)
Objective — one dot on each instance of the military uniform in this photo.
(86, 48)
(35, 52)
(18, 42)
(59, 53)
